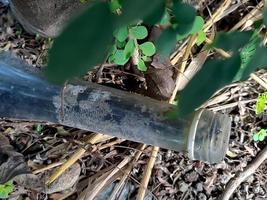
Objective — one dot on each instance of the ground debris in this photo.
(174, 175)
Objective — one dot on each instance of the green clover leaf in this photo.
(148, 48)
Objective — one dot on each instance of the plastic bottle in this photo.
(25, 94)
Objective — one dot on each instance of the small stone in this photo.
(201, 196)
(199, 187)
(224, 179)
(258, 190)
(183, 187)
(191, 176)
(66, 180)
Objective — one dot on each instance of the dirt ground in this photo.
(174, 176)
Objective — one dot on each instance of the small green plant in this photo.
(85, 42)
(83, 1)
(127, 45)
(115, 6)
(261, 103)
(6, 189)
(260, 135)
(39, 129)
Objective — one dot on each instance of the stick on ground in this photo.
(76, 156)
(147, 174)
(242, 176)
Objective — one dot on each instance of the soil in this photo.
(174, 175)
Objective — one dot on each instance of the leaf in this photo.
(185, 17)
(141, 65)
(39, 129)
(231, 154)
(247, 53)
(261, 103)
(115, 5)
(5, 189)
(121, 34)
(83, 1)
(213, 75)
(155, 16)
(113, 49)
(120, 45)
(260, 135)
(265, 16)
(120, 57)
(232, 41)
(148, 48)
(201, 37)
(197, 25)
(184, 13)
(111, 58)
(83, 44)
(165, 20)
(195, 28)
(258, 60)
(137, 9)
(166, 43)
(255, 137)
(146, 58)
(139, 32)
(181, 37)
(129, 48)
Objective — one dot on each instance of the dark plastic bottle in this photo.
(25, 94)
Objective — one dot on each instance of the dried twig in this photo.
(51, 166)
(96, 137)
(105, 179)
(231, 105)
(112, 143)
(214, 18)
(183, 65)
(252, 75)
(242, 176)
(147, 174)
(259, 80)
(248, 17)
(127, 172)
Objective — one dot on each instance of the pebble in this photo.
(199, 187)
(201, 196)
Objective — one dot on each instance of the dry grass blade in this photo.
(105, 179)
(231, 105)
(96, 137)
(214, 18)
(259, 80)
(217, 15)
(233, 7)
(225, 54)
(195, 65)
(242, 176)
(250, 16)
(220, 97)
(183, 65)
(252, 75)
(127, 171)
(51, 166)
(112, 143)
(147, 173)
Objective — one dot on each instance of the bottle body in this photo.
(25, 94)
